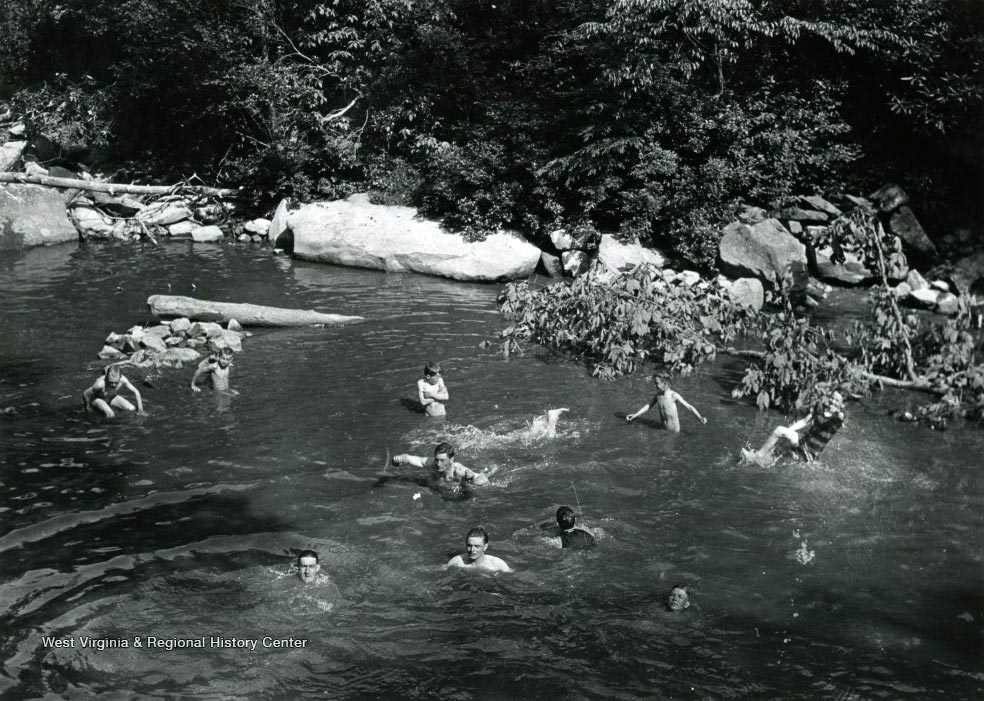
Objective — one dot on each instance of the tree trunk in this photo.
(114, 188)
(245, 314)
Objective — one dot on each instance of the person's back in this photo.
(576, 539)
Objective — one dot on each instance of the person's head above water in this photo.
(443, 455)
(660, 383)
(432, 370)
(829, 406)
(476, 543)
(678, 599)
(112, 373)
(565, 518)
(307, 566)
(224, 356)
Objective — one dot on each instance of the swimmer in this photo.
(818, 427)
(546, 426)
(217, 366)
(104, 393)
(431, 390)
(571, 537)
(679, 599)
(476, 543)
(665, 401)
(443, 467)
(308, 566)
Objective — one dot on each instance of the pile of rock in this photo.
(172, 343)
(99, 215)
(916, 291)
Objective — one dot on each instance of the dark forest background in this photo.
(649, 118)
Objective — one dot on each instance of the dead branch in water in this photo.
(114, 188)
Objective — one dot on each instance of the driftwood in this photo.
(114, 188)
(918, 385)
(245, 314)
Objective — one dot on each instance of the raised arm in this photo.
(405, 459)
(687, 405)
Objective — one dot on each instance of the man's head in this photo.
(660, 383)
(443, 455)
(432, 371)
(678, 599)
(476, 543)
(565, 518)
(307, 566)
(112, 373)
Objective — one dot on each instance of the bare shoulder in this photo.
(455, 561)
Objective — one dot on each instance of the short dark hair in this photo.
(565, 517)
(478, 532)
(680, 586)
(432, 369)
(661, 381)
(306, 553)
(446, 448)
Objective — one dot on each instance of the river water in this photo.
(859, 577)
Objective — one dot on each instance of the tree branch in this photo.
(113, 188)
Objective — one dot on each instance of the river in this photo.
(858, 577)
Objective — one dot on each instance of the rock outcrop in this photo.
(766, 251)
(32, 215)
(356, 233)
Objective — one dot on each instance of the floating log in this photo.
(245, 314)
(114, 188)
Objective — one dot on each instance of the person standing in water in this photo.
(476, 543)
(217, 368)
(431, 391)
(308, 566)
(104, 395)
(665, 400)
(810, 434)
(679, 599)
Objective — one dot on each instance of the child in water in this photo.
(217, 366)
(679, 599)
(431, 390)
(104, 395)
(665, 401)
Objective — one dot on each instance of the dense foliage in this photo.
(652, 118)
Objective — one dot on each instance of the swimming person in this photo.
(571, 537)
(476, 543)
(818, 427)
(104, 393)
(545, 426)
(679, 599)
(431, 390)
(665, 401)
(308, 566)
(217, 367)
(443, 467)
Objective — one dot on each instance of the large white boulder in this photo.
(765, 251)
(618, 256)
(33, 215)
(357, 233)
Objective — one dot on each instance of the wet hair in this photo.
(446, 448)
(306, 553)
(111, 368)
(478, 532)
(432, 369)
(660, 382)
(565, 518)
(680, 587)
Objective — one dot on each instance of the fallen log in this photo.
(114, 188)
(245, 314)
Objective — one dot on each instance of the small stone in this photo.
(689, 277)
(234, 325)
(948, 304)
(161, 331)
(747, 292)
(940, 285)
(927, 297)
(916, 281)
(794, 227)
(154, 343)
(257, 227)
(207, 234)
(902, 290)
(561, 240)
(110, 353)
(180, 325)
